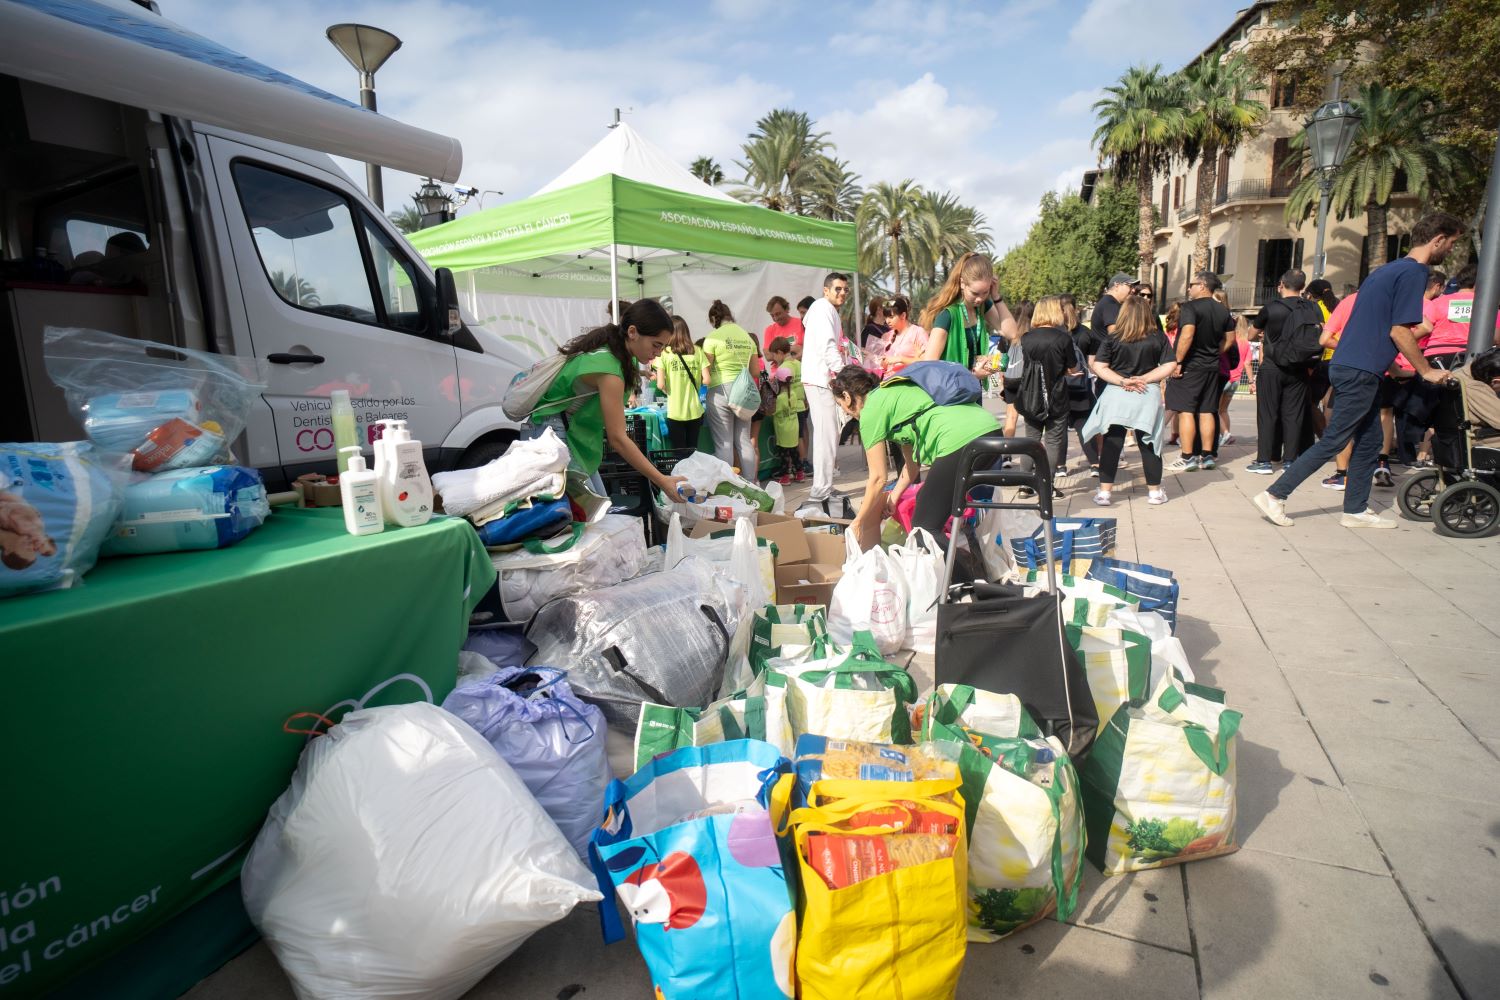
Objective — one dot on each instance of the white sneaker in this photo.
(1226, 439)
(1101, 499)
(1156, 497)
(1368, 519)
(1274, 509)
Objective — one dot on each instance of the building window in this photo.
(1221, 182)
(1273, 259)
(1283, 91)
(1164, 206)
(1399, 183)
(1286, 167)
(1219, 259)
(1176, 192)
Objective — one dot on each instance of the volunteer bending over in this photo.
(585, 404)
(928, 434)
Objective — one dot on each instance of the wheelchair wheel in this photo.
(1467, 510)
(1417, 492)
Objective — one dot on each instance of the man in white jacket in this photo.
(824, 352)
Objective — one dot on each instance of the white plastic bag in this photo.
(406, 860)
(870, 597)
(609, 552)
(920, 560)
(714, 478)
(741, 558)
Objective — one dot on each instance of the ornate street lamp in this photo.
(434, 202)
(367, 49)
(1330, 133)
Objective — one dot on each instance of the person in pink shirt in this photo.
(783, 324)
(1444, 332)
(908, 341)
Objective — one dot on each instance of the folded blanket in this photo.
(525, 470)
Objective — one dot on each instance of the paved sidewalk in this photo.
(1369, 768)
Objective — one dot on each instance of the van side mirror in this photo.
(446, 319)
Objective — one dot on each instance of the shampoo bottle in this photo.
(405, 489)
(345, 434)
(357, 489)
(381, 446)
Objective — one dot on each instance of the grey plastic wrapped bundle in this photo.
(662, 638)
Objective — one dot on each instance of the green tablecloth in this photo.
(142, 714)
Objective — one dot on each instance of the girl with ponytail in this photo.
(585, 404)
(963, 313)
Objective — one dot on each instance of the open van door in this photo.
(333, 301)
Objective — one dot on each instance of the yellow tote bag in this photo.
(897, 936)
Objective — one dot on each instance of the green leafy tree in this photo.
(781, 161)
(1221, 116)
(948, 229)
(833, 190)
(1141, 127)
(707, 170)
(1073, 246)
(407, 219)
(1397, 136)
(889, 220)
(298, 291)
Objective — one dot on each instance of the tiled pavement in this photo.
(1365, 663)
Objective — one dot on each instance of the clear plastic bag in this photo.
(184, 509)
(167, 407)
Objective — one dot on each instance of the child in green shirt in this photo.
(786, 376)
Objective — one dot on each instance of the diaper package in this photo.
(57, 502)
(166, 407)
(185, 509)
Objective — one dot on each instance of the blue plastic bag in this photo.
(1072, 538)
(57, 502)
(537, 521)
(553, 740)
(1156, 588)
(688, 846)
(185, 509)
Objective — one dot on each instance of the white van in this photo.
(156, 185)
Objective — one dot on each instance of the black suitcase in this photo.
(993, 637)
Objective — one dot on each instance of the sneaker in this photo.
(783, 479)
(1368, 519)
(1226, 439)
(1188, 463)
(807, 468)
(1102, 499)
(1337, 481)
(1423, 463)
(847, 512)
(1383, 478)
(1156, 497)
(1261, 468)
(1057, 494)
(1025, 493)
(1094, 471)
(1208, 463)
(1273, 508)
(799, 475)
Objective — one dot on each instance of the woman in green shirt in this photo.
(928, 434)
(962, 314)
(730, 350)
(680, 371)
(585, 404)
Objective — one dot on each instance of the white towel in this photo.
(525, 470)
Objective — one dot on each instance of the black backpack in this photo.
(1038, 401)
(1297, 345)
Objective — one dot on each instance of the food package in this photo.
(819, 757)
(185, 509)
(848, 859)
(662, 638)
(406, 861)
(57, 504)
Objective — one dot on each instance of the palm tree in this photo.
(707, 170)
(948, 229)
(835, 192)
(1222, 115)
(407, 219)
(1141, 124)
(297, 291)
(888, 220)
(779, 161)
(1396, 136)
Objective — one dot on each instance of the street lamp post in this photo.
(436, 206)
(1330, 133)
(367, 49)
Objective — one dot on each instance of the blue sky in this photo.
(991, 100)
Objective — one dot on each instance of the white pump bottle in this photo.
(405, 489)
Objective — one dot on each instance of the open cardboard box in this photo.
(808, 564)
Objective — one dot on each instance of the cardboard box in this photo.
(806, 583)
(807, 564)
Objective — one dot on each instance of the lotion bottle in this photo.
(405, 489)
(381, 446)
(345, 432)
(361, 498)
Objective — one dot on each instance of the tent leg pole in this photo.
(856, 323)
(614, 282)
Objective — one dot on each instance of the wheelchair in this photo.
(1460, 495)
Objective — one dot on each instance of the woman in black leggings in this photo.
(1133, 363)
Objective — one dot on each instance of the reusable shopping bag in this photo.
(762, 716)
(548, 735)
(899, 932)
(688, 846)
(783, 630)
(1155, 589)
(1159, 784)
(967, 707)
(744, 395)
(871, 597)
(1117, 664)
(1085, 601)
(920, 562)
(851, 694)
(1072, 539)
(1025, 823)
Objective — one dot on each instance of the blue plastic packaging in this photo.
(184, 509)
(57, 502)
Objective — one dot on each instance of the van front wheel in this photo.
(485, 451)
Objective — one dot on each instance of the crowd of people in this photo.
(1343, 380)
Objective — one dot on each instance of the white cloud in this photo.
(1132, 31)
(1079, 102)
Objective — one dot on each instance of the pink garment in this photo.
(1448, 315)
(1234, 373)
(1340, 314)
(908, 345)
(792, 331)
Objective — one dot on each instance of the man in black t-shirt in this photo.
(1107, 309)
(1283, 405)
(1205, 329)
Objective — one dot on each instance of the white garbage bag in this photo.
(406, 860)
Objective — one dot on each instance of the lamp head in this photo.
(1330, 133)
(365, 47)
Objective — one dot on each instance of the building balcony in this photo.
(1248, 190)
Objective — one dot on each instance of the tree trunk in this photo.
(896, 260)
(1208, 170)
(1376, 214)
(1146, 250)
